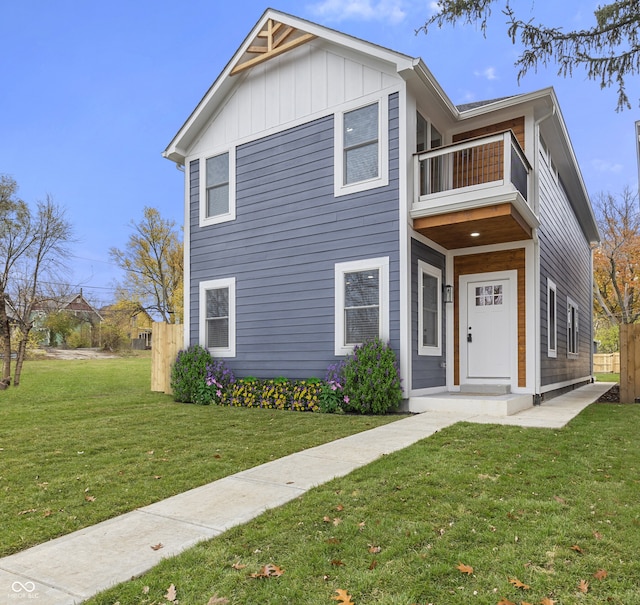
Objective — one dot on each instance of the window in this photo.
(431, 171)
(217, 316)
(572, 328)
(429, 309)
(362, 303)
(217, 185)
(552, 330)
(361, 148)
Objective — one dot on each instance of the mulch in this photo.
(611, 396)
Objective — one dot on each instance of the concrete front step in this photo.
(485, 389)
(465, 403)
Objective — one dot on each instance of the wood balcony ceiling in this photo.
(496, 224)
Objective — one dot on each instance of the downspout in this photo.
(537, 398)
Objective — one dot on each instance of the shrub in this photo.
(332, 395)
(219, 379)
(372, 379)
(189, 375)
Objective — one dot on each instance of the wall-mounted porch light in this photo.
(448, 294)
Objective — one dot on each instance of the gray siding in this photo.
(565, 258)
(426, 370)
(289, 232)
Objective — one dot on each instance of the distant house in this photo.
(334, 193)
(133, 320)
(86, 324)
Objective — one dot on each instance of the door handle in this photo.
(469, 337)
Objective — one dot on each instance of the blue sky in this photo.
(92, 93)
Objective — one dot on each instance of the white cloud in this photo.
(434, 7)
(489, 73)
(606, 166)
(367, 10)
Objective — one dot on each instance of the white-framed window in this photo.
(552, 319)
(361, 147)
(217, 188)
(429, 309)
(432, 172)
(572, 328)
(218, 316)
(361, 303)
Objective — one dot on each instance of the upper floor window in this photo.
(361, 148)
(217, 203)
(431, 172)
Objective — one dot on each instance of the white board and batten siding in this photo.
(306, 83)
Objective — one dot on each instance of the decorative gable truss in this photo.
(276, 38)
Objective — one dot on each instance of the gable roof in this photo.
(276, 33)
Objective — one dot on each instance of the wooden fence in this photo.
(606, 363)
(629, 362)
(167, 340)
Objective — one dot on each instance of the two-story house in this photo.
(334, 193)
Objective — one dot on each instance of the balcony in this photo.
(479, 187)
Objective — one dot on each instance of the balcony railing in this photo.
(479, 163)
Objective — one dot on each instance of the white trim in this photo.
(425, 268)
(339, 187)
(380, 264)
(202, 202)
(566, 383)
(573, 304)
(186, 245)
(212, 284)
(551, 287)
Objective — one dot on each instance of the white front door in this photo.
(488, 327)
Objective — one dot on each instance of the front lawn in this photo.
(480, 514)
(83, 441)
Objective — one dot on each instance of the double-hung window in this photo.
(361, 303)
(217, 316)
(572, 328)
(361, 148)
(217, 186)
(429, 309)
(552, 323)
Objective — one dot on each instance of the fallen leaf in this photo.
(238, 565)
(150, 452)
(339, 508)
(601, 574)
(343, 596)
(89, 498)
(47, 513)
(597, 535)
(337, 521)
(171, 594)
(333, 541)
(464, 568)
(145, 590)
(268, 571)
(547, 601)
(216, 600)
(374, 550)
(576, 548)
(337, 562)
(505, 602)
(157, 546)
(217, 456)
(362, 525)
(326, 519)
(518, 584)
(373, 565)
(583, 587)
(157, 476)
(29, 510)
(559, 500)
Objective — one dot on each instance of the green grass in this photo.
(607, 377)
(508, 501)
(83, 441)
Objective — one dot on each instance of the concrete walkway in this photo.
(70, 569)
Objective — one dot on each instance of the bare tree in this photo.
(616, 262)
(33, 246)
